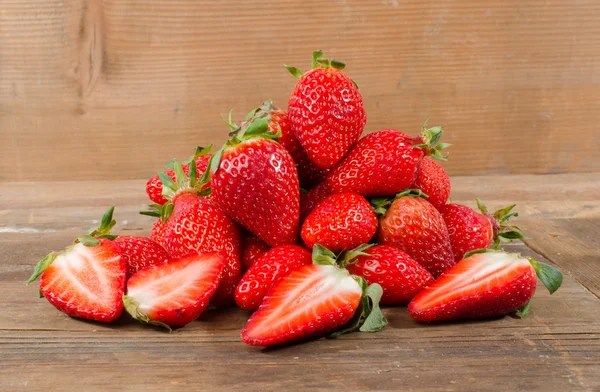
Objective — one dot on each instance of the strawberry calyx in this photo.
(368, 316)
(350, 257)
(91, 239)
(429, 141)
(502, 231)
(382, 204)
(318, 61)
(133, 309)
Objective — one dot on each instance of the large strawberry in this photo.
(326, 111)
(398, 274)
(196, 225)
(253, 248)
(255, 181)
(154, 184)
(384, 163)
(308, 174)
(340, 222)
(266, 271)
(312, 301)
(470, 230)
(486, 284)
(175, 293)
(434, 182)
(157, 233)
(411, 223)
(87, 279)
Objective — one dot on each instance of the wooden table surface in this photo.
(556, 348)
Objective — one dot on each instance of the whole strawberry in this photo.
(398, 274)
(255, 181)
(140, 253)
(253, 248)
(308, 174)
(154, 184)
(411, 223)
(470, 230)
(340, 222)
(385, 162)
(157, 233)
(486, 283)
(326, 111)
(267, 270)
(434, 182)
(310, 199)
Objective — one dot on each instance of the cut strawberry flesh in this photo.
(177, 292)
(312, 300)
(86, 282)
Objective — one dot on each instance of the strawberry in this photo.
(157, 233)
(87, 279)
(175, 293)
(385, 162)
(434, 182)
(196, 225)
(308, 174)
(140, 253)
(398, 274)
(267, 270)
(253, 249)
(255, 181)
(411, 223)
(315, 300)
(470, 230)
(310, 199)
(326, 111)
(487, 284)
(154, 184)
(341, 221)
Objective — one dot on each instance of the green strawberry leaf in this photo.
(193, 171)
(482, 207)
(337, 64)
(316, 56)
(256, 128)
(351, 255)
(483, 250)
(550, 276)
(294, 71)
(166, 211)
(133, 309)
(523, 311)
(88, 240)
(323, 256)
(41, 266)
(412, 193)
(107, 222)
(374, 319)
(168, 186)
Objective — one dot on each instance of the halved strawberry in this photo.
(86, 280)
(485, 284)
(312, 301)
(175, 293)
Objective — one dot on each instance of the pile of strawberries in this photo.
(299, 220)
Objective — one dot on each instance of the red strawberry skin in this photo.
(154, 185)
(269, 269)
(415, 226)
(434, 182)
(253, 249)
(197, 226)
(327, 115)
(341, 221)
(309, 200)
(257, 185)
(482, 285)
(310, 301)
(468, 229)
(157, 233)
(86, 282)
(177, 292)
(308, 174)
(140, 252)
(381, 164)
(396, 272)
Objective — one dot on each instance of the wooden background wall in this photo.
(113, 89)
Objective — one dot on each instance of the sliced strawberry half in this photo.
(86, 280)
(486, 284)
(175, 293)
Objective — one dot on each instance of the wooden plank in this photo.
(117, 88)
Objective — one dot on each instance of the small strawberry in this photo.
(310, 199)
(411, 223)
(312, 301)
(434, 182)
(385, 162)
(87, 279)
(308, 174)
(400, 277)
(267, 270)
(175, 293)
(255, 181)
(326, 111)
(342, 221)
(154, 185)
(487, 284)
(140, 253)
(253, 248)
(470, 230)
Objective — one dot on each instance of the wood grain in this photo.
(94, 89)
